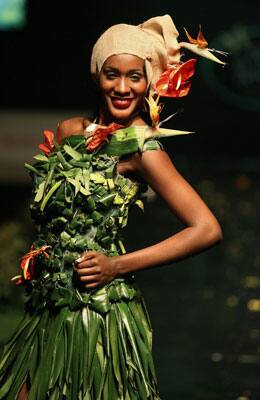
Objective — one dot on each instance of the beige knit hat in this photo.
(155, 41)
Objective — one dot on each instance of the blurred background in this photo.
(205, 311)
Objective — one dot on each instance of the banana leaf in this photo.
(123, 142)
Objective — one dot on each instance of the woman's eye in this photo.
(135, 77)
(110, 75)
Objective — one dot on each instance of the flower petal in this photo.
(154, 109)
(25, 267)
(28, 263)
(48, 144)
(44, 148)
(206, 53)
(100, 135)
(175, 81)
(18, 279)
(48, 138)
(200, 41)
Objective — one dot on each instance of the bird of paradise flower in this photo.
(28, 264)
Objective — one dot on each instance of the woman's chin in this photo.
(121, 115)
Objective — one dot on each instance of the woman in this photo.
(86, 333)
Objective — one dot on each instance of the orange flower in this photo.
(101, 134)
(28, 263)
(48, 144)
(175, 81)
(200, 41)
(154, 109)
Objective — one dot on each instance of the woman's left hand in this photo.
(95, 269)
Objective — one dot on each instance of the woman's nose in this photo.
(122, 86)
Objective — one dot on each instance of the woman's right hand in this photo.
(95, 269)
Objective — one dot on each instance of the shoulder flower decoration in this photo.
(48, 144)
(28, 264)
(100, 135)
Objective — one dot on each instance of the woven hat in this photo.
(155, 41)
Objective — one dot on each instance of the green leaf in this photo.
(107, 199)
(110, 184)
(49, 194)
(140, 204)
(96, 216)
(65, 237)
(50, 175)
(113, 248)
(91, 203)
(122, 247)
(68, 193)
(97, 177)
(32, 169)
(41, 157)
(152, 145)
(76, 183)
(124, 141)
(85, 178)
(73, 153)
(70, 173)
(40, 192)
(113, 329)
(84, 191)
(63, 162)
(118, 199)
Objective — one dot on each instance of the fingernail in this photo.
(79, 260)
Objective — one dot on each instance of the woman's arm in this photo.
(201, 227)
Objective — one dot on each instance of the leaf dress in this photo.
(75, 343)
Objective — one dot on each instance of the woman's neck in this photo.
(134, 120)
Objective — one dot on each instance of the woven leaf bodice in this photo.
(80, 203)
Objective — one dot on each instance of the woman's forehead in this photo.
(124, 61)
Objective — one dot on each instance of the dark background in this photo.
(205, 310)
(46, 64)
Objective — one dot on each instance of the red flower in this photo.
(28, 264)
(100, 135)
(48, 144)
(175, 81)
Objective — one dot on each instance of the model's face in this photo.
(123, 86)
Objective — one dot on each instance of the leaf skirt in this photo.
(92, 353)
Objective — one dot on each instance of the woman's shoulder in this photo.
(72, 126)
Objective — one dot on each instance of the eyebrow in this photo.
(135, 70)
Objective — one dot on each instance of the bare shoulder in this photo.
(71, 126)
(157, 168)
(153, 162)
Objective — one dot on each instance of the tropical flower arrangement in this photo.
(175, 81)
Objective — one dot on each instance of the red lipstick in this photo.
(121, 103)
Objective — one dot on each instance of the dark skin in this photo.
(122, 80)
(201, 230)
